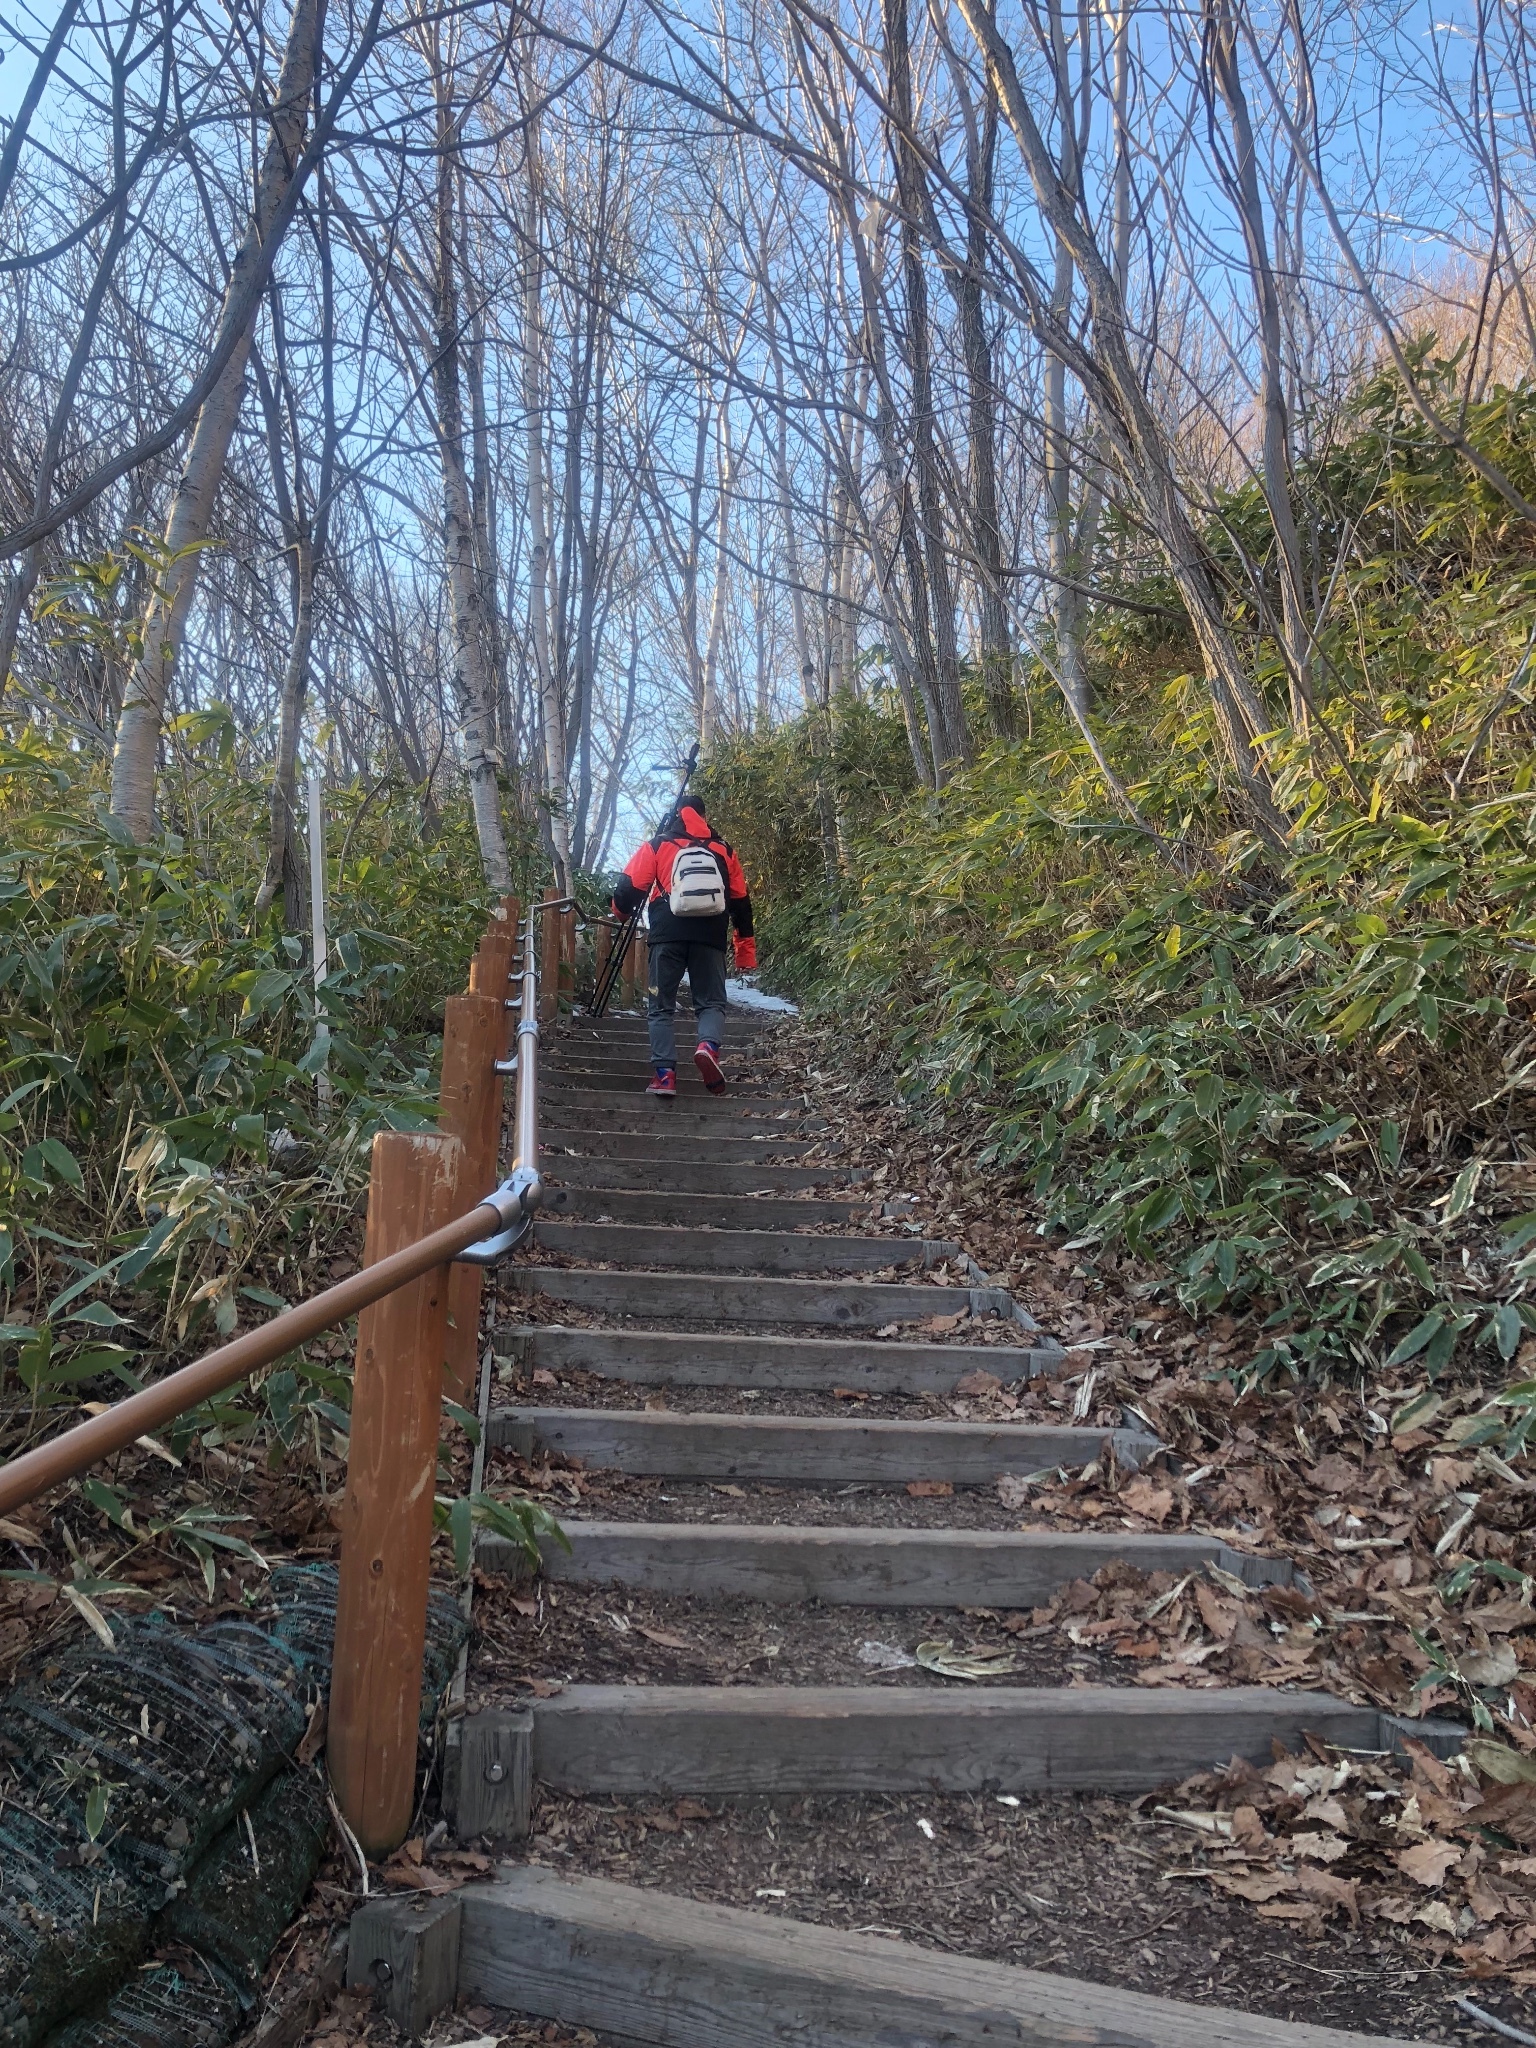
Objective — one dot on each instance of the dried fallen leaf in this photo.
(1495, 1666)
(1142, 1497)
(1504, 1765)
(661, 1636)
(313, 1739)
(1331, 1890)
(949, 1662)
(420, 1877)
(1427, 1862)
(1255, 1885)
(930, 1489)
(976, 1385)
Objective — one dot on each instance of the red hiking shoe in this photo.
(707, 1060)
(665, 1083)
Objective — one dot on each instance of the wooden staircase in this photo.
(715, 1243)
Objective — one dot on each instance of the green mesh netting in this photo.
(160, 2008)
(250, 1885)
(130, 1780)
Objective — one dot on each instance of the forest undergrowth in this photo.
(1297, 1084)
(184, 1136)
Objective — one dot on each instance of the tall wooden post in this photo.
(603, 954)
(386, 1525)
(635, 972)
(568, 955)
(474, 1031)
(549, 959)
(490, 975)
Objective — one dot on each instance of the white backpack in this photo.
(698, 887)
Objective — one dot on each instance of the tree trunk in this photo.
(981, 423)
(282, 868)
(951, 738)
(1240, 174)
(551, 716)
(1136, 438)
(474, 684)
(191, 514)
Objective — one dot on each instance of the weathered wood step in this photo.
(593, 1140)
(1002, 1568)
(809, 1450)
(679, 1206)
(642, 1965)
(636, 1110)
(729, 1298)
(561, 1073)
(657, 1247)
(678, 1170)
(665, 1358)
(740, 1741)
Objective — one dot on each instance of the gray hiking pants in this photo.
(705, 969)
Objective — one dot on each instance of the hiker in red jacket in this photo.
(695, 890)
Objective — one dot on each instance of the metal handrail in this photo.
(507, 1212)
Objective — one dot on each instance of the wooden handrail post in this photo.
(635, 976)
(489, 975)
(474, 1032)
(549, 959)
(386, 1526)
(603, 954)
(568, 954)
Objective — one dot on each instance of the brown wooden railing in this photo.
(417, 1299)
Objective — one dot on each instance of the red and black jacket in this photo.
(648, 878)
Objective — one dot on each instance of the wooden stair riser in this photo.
(698, 1298)
(593, 1141)
(687, 1176)
(662, 1358)
(751, 1741)
(804, 1450)
(702, 1212)
(782, 1564)
(637, 1965)
(656, 1248)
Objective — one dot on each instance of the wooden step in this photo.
(676, 1206)
(808, 1450)
(641, 1965)
(729, 1298)
(745, 1741)
(637, 1078)
(778, 1562)
(666, 1358)
(593, 1140)
(659, 1247)
(635, 1110)
(676, 1170)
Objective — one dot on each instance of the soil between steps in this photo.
(632, 1497)
(1070, 1884)
(578, 1389)
(597, 1635)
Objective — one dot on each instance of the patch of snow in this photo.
(743, 996)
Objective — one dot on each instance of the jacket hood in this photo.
(694, 823)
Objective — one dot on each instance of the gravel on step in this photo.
(516, 1311)
(595, 1390)
(608, 1635)
(631, 1497)
(1066, 1884)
